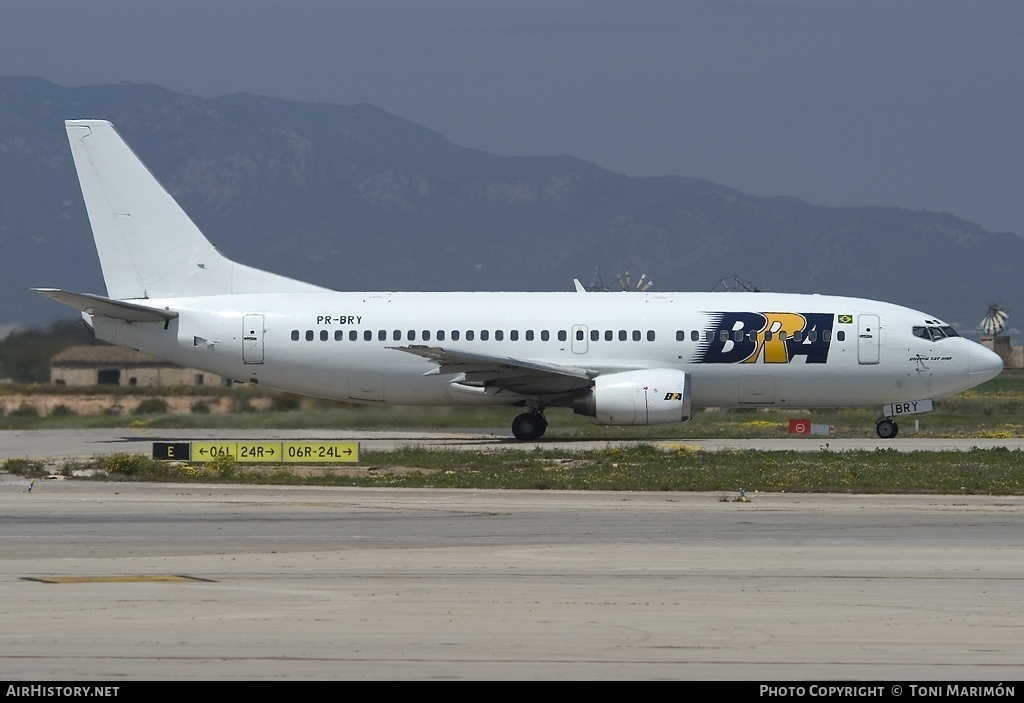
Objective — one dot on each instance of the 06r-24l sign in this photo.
(304, 452)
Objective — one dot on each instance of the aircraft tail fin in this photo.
(147, 245)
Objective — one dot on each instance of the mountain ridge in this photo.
(354, 198)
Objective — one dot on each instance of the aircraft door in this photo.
(867, 339)
(252, 339)
(579, 339)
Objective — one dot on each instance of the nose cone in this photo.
(982, 365)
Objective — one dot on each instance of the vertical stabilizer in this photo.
(148, 247)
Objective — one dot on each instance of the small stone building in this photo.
(1013, 357)
(88, 365)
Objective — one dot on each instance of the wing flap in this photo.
(506, 373)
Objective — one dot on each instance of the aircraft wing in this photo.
(506, 373)
(108, 307)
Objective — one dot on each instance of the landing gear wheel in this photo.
(886, 429)
(529, 426)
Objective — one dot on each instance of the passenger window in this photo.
(562, 336)
(470, 335)
(382, 335)
(397, 335)
(440, 335)
(498, 335)
(609, 335)
(484, 335)
(680, 336)
(694, 336)
(338, 335)
(309, 335)
(623, 336)
(636, 335)
(295, 335)
(411, 335)
(724, 336)
(595, 336)
(841, 336)
(353, 336)
(545, 335)
(812, 336)
(368, 335)
(529, 335)
(426, 335)
(513, 335)
(455, 335)
(826, 335)
(323, 335)
(650, 335)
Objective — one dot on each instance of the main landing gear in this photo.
(886, 428)
(529, 426)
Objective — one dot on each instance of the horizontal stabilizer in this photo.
(98, 305)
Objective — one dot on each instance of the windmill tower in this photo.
(598, 285)
(642, 286)
(994, 321)
(992, 327)
(736, 284)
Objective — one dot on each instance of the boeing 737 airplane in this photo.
(623, 358)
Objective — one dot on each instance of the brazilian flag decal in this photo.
(845, 319)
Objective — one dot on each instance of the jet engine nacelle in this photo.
(645, 397)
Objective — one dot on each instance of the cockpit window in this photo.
(933, 334)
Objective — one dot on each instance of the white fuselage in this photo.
(622, 358)
(835, 351)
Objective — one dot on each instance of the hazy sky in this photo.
(912, 103)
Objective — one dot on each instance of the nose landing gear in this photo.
(886, 428)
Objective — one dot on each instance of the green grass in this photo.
(975, 413)
(639, 467)
(991, 410)
(962, 416)
(994, 409)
